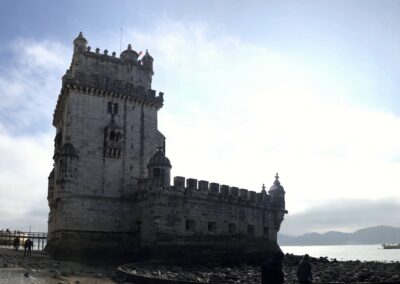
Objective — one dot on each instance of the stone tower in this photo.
(110, 191)
(106, 132)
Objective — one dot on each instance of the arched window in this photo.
(119, 136)
(112, 136)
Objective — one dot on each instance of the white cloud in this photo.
(29, 90)
(236, 113)
(30, 86)
(26, 162)
(344, 215)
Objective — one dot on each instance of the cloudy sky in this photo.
(309, 89)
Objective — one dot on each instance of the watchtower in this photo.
(106, 132)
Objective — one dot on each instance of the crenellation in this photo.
(179, 183)
(214, 188)
(191, 184)
(234, 192)
(252, 197)
(243, 194)
(224, 189)
(203, 185)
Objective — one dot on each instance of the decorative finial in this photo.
(129, 47)
(80, 35)
(97, 50)
(105, 51)
(263, 187)
(277, 176)
(113, 54)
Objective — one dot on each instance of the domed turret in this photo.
(277, 185)
(277, 193)
(129, 54)
(159, 169)
(147, 61)
(80, 43)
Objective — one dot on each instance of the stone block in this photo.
(234, 192)
(214, 188)
(224, 190)
(179, 182)
(252, 197)
(191, 184)
(203, 186)
(243, 194)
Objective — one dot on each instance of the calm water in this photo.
(348, 252)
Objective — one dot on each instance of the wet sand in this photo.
(40, 268)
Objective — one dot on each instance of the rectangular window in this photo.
(212, 227)
(138, 226)
(190, 225)
(250, 230)
(232, 228)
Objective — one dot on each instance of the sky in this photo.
(308, 89)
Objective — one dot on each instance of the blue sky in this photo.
(305, 88)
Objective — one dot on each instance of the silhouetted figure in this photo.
(28, 247)
(271, 271)
(16, 243)
(304, 273)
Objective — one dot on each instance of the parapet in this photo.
(103, 69)
(221, 192)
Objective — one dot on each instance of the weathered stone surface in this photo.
(109, 192)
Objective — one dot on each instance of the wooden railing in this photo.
(7, 239)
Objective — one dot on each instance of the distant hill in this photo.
(372, 235)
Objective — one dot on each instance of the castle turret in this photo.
(159, 169)
(277, 194)
(129, 54)
(147, 61)
(80, 43)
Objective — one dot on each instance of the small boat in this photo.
(391, 246)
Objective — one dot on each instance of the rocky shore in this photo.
(324, 270)
(40, 268)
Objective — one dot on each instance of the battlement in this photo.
(220, 192)
(131, 67)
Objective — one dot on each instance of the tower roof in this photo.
(277, 185)
(80, 38)
(147, 55)
(159, 159)
(129, 54)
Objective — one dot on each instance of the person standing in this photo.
(304, 274)
(28, 247)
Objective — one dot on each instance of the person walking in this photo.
(16, 243)
(304, 274)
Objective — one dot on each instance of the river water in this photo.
(347, 252)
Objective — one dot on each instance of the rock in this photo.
(26, 274)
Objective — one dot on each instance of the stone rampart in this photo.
(221, 192)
